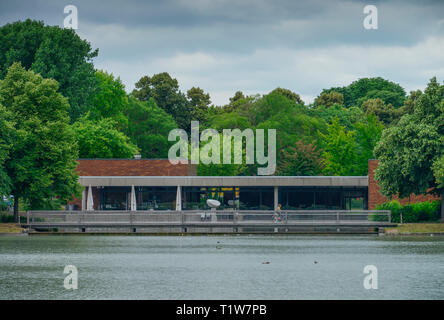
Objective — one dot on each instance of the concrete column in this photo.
(84, 200)
(179, 199)
(276, 197)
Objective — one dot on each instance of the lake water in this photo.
(221, 267)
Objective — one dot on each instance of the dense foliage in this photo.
(71, 110)
(410, 213)
(54, 53)
(41, 155)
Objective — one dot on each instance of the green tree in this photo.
(300, 160)
(101, 139)
(409, 152)
(371, 88)
(42, 157)
(109, 100)
(368, 134)
(165, 92)
(199, 104)
(339, 150)
(347, 116)
(328, 99)
(6, 131)
(148, 127)
(438, 171)
(385, 112)
(293, 96)
(55, 53)
(223, 169)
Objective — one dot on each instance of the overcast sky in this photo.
(255, 45)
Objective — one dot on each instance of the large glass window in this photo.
(322, 198)
(256, 198)
(156, 198)
(195, 198)
(114, 198)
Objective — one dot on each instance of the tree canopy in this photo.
(54, 53)
(165, 91)
(370, 88)
(48, 82)
(101, 139)
(148, 127)
(410, 153)
(42, 154)
(109, 100)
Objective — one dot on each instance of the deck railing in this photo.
(35, 219)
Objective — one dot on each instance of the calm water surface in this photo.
(221, 267)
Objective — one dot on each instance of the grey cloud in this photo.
(143, 37)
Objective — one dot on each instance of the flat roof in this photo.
(225, 181)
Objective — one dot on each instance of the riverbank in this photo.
(10, 228)
(416, 229)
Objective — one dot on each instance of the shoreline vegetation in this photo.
(416, 229)
(10, 228)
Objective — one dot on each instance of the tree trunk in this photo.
(442, 205)
(16, 209)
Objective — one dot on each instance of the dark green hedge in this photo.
(415, 212)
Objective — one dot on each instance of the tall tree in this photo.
(42, 157)
(148, 127)
(55, 53)
(101, 139)
(385, 112)
(165, 92)
(6, 132)
(368, 134)
(409, 151)
(109, 100)
(371, 88)
(300, 160)
(199, 104)
(328, 99)
(339, 150)
(293, 96)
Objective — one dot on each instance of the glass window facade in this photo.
(156, 198)
(114, 198)
(256, 198)
(323, 198)
(147, 198)
(195, 198)
(241, 198)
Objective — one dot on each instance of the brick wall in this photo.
(133, 167)
(375, 198)
(127, 167)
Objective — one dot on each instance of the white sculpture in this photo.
(213, 203)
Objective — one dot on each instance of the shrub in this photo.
(427, 211)
(6, 218)
(416, 212)
(394, 206)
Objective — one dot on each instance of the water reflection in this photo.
(221, 267)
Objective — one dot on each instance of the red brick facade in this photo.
(148, 167)
(375, 198)
(133, 167)
(127, 167)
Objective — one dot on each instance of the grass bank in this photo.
(412, 228)
(10, 228)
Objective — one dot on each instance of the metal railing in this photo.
(35, 219)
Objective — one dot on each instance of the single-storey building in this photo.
(156, 184)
